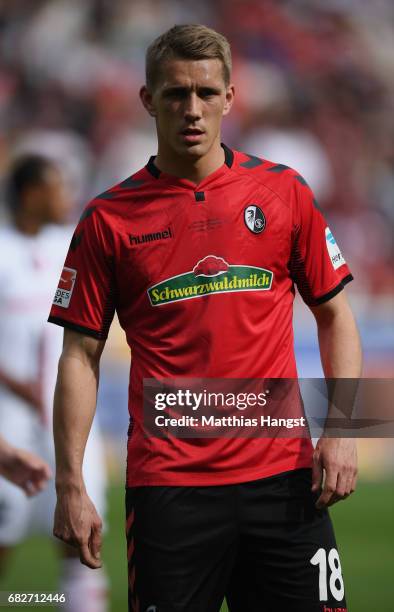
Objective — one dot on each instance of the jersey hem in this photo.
(216, 478)
(78, 328)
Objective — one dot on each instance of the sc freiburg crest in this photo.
(254, 219)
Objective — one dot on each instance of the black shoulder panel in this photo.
(86, 213)
(76, 240)
(278, 168)
(131, 183)
(301, 180)
(252, 162)
(106, 195)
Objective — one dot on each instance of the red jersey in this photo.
(203, 280)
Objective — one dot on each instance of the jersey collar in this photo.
(156, 173)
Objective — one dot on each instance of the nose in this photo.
(192, 107)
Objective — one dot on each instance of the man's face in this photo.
(188, 102)
(58, 204)
(48, 201)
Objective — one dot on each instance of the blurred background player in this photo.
(33, 245)
(22, 468)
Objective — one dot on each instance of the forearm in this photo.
(340, 347)
(74, 409)
(76, 520)
(341, 356)
(340, 351)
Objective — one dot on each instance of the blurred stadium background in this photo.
(315, 90)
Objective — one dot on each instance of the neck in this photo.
(195, 169)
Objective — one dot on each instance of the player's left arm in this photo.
(341, 356)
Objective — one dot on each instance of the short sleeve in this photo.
(317, 265)
(85, 296)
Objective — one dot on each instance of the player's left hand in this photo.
(336, 459)
(77, 523)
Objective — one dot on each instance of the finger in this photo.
(349, 483)
(342, 486)
(36, 481)
(39, 485)
(95, 542)
(87, 558)
(329, 489)
(28, 488)
(64, 536)
(36, 487)
(317, 474)
(41, 475)
(46, 471)
(34, 467)
(354, 481)
(340, 493)
(346, 484)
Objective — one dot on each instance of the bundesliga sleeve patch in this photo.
(335, 254)
(65, 288)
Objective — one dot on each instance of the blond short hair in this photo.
(190, 42)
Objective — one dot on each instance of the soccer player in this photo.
(33, 245)
(22, 468)
(226, 516)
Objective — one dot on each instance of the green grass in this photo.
(364, 528)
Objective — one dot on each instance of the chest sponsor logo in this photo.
(335, 254)
(65, 288)
(144, 238)
(254, 219)
(210, 275)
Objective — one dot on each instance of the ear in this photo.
(230, 93)
(146, 99)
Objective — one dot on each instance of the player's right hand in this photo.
(77, 523)
(24, 469)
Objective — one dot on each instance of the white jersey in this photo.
(30, 348)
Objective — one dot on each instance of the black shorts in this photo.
(261, 544)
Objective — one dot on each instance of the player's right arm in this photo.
(76, 520)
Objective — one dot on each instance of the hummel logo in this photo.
(142, 238)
